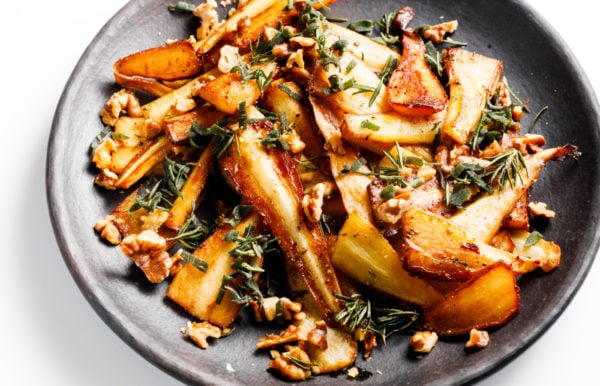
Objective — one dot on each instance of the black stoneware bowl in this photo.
(540, 68)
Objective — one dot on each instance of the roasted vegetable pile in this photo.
(355, 179)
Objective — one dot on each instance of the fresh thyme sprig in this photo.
(382, 321)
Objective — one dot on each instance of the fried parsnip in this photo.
(268, 179)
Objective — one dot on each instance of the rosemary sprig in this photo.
(382, 321)
(390, 174)
(182, 6)
(225, 136)
(192, 233)
(299, 362)
(160, 192)
(194, 260)
(247, 252)
(467, 179)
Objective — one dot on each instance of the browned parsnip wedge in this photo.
(197, 291)
(268, 179)
(362, 253)
(484, 217)
(472, 78)
(143, 69)
(490, 299)
(192, 191)
(434, 248)
(178, 127)
(414, 90)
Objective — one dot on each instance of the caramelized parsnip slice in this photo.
(434, 248)
(197, 291)
(190, 195)
(483, 217)
(379, 132)
(414, 90)
(267, 178)
(490, 299)
(362, 253)
(472, 77)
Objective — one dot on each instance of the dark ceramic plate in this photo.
(539, 67)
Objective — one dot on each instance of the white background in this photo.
(48, 333)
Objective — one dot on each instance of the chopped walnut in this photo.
(317, 337)
(295, 369)
(370, 344)
(303, 41)
(106, 179)
(274, 306)
(200, 332)
(148, 250)
(478, 339)
(295, 59)
(503, 93)
(528, 143)
(517, 113)
(183, 105)
(102, 157)
(108, 231)
(353, 372)
(312, 202)
(538, 208)
(436, 33)
(290, 334)
(423, 341)
(209, 18)
(228, 58)
(390, 211)
(122, 100)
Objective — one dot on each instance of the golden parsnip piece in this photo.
(141, 70)
(362, 253)
(267, 179)
(490, 299)
(413, 89)
(197, 291)
(472, 77)
(434, 248)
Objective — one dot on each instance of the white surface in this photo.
(49, 334)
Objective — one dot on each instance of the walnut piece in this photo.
(148, 251)
(290, 334)
(199, 332)
(436, 33)
(538, 208)
(317, 337)
(228, 58)
(207, 12)
(290, 368)
(108, 230)
(312, 202)
(119, 102)
(478, 339)
(423, 341)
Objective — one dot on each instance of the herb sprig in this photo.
(382, 321)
